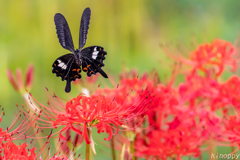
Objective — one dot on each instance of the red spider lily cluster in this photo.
(143, 117)
(201, 113)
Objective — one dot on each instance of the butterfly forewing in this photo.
(93, 58)
(84, 26)
(63, 32)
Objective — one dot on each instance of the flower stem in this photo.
(113, 149)
(87, 148)
(132, 149)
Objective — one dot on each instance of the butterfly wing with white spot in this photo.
(93, 58)
(63, 32)
(66, 68)
(84, 26)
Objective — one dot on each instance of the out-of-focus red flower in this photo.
(228, 95)
(174, 143)
(198, 91)
(24, 151)
(179, 134)
(177, 139)
(18, 85)
(219, 53)
(232, 133)
(208, 57)
(12, 151)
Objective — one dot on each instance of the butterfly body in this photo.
(89, 59)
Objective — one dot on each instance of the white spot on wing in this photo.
(61, 64)
(94, 56)
(95, 53)
(64, 67)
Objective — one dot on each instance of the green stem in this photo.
(132, 149)
(200, 157)
(87, 148)
(113, 149)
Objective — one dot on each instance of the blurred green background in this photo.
(129, 30)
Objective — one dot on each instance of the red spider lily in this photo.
(128, 88)
(21, 128)
(179, 139)
(207, 57)
(182, 136)
(24, 127)
(219, 53)
(18, 85)
(82, 113)
(131, 89)
(198, 91)
(25, 130)
(232, 133)
(228, 95)
(12, 151)
(164, 97)
(170, 144)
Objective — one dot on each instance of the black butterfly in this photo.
(90, 58)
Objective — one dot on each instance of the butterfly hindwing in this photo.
(93, 58)
(63, 32)
(66, 68)
(84, 26)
